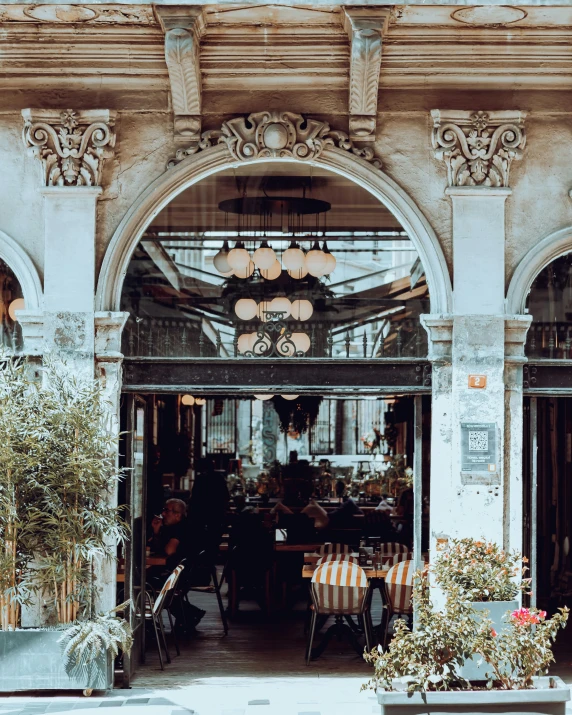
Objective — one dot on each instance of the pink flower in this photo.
(494, 634)
(523, 617)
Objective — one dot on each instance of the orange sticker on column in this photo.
(477, 381)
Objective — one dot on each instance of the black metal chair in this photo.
(206, 562)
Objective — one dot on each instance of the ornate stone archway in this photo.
(272, 137)
(538, 257)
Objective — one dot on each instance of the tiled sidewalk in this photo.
(215, 696)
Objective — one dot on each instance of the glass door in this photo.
(134, 419)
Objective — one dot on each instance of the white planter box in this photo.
(543, 700)
(497, 613)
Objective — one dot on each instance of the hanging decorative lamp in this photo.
(316, 261)
(272, 273)
(245, 272)
(188, 400)
(264, 397)
(239, 257)
(281, 305)
(246, 308)
(331, 260)
(298, 273)
(301, 341)
(293, 257)
(264, 257)
(302, 309)
(289, 397)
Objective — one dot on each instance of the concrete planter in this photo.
(497, 613)
(32, 660)
(543, 700)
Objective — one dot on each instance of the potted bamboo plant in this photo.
(422, 671)
(58, 475)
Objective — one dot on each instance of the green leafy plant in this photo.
(521, 651)
(480, 570)
(429, 657)
(84, 642)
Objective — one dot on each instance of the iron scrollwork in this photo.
(274, 338)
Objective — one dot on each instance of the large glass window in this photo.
(275, 261)
(550, 304)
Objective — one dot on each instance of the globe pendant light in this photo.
(220, 261)
(246, 308)
(239, 257)
(299, 273)
(289, 397)
(302, 309)
(188, 400)
(331, 261)
(301, 341)
(272, 273)
(316, 261)
(281, 305)
(200, 401)
(264, 397)
(263, 308)
(264, 257)
(293, 257)
(245, 272)
(245, 342)
(17, 304)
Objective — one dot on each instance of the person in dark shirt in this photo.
(168, 537)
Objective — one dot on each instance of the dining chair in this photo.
(206, 561)
(336, 557)
(388, 549)
(330, 548)
(154, 608)
(398, 592)
(398, 558)
(340, 588)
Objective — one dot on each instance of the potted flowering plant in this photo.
(422, 671)
(489, 578)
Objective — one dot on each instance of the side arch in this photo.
(217, 158)
(538, 257)
(20, 262)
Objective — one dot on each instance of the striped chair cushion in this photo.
(398, 558)
(399, 586)
(339, 587)
(389, 549)
(330, 548)
(336, 557)
(169, 585)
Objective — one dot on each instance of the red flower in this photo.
(494, 634)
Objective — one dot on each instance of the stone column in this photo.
(469, 499)
(71, 147)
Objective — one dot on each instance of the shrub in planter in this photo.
(491, 579)
(58, 475)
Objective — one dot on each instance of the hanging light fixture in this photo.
(264, 257)
(289, 397)
(220, 261)
(188, 400)
(293, 257)
(245, 272)
(200, 401)
(272, 273)
(301, 341)
(331, 261)
(302, 309)
(281, 305)
(245, 342)
(299, 273)
(17, 304)
(264, 397)
(263, 308)
(239, 257)
(246, 308)
(316, 261)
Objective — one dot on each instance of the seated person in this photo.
(384, 505)
(343, 516)
(314, 511)
(168, 535)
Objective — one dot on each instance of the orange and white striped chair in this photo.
(398, 558)
(336, 557)
(398, 593)
(330, 548)
(388, 550)
(340, 588)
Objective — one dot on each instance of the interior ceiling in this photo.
(353, 208)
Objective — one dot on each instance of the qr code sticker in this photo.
(478, 441)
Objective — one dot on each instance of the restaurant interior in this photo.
(267, 486)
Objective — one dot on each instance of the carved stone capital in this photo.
(275, 134)
(183, 27)
(478, 147)
(72, 146)
(440, 332)
(108, 330)
(365, 28)
(515, 331)
(32, 326)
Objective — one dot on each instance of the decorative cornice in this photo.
(440, 332)
(72, 146)
(183, 27)
(478, 147)
(275, 134)
(108, 329)
(365, 28)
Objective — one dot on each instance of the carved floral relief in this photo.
(478, 147)
(275, 134)
(71, 146)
